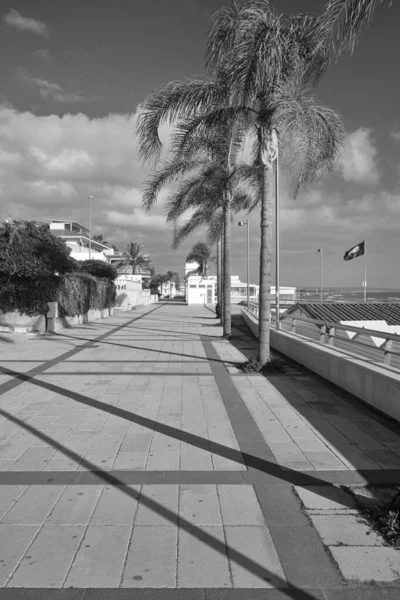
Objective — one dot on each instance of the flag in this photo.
(358, 250)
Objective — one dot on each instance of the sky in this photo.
(73, 74)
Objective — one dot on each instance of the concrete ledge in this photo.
(56, 323)
(374, 384)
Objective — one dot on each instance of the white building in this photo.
(203, 290)
(77, 237)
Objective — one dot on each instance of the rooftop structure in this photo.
(77, 237)
(348, 311)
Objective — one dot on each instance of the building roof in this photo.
(349, 311)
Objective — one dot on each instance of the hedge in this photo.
(26, 295)
(76, 293)
(80, 292)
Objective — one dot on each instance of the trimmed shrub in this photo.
(80, 292)
(28, 296)
(99, 268)
(31, 251)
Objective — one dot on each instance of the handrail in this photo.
(337, 325)
(328, 328)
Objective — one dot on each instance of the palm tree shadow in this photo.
(203, 536)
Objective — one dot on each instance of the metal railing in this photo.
(327, 330)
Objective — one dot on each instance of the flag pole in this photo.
(322, 273)
(365, 270)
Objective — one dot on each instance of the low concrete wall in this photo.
(55, 322)
(376, 385)
(15, 319)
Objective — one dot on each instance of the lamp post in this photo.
(90, 226)
(241, 224)
(321, 253)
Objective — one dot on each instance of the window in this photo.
(192, 286)
(202, 286)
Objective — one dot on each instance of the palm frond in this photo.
(178, 99)
(169, 171)
(191, 193)
(342, 22)
(316, 133)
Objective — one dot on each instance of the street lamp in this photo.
(90, 226)
(242, 224)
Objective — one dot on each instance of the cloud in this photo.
(52, 91)
(357, 162)
(14, 19)
(395, 134)
(42, 53)
(49, 165)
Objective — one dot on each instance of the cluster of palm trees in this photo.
(262, 69)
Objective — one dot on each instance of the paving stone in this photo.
(199, 504)
(100, 558)
(363, 593)
(202, 562)
(265, 594)
(152, 558)
(34, 505)
(325, 498)
(305, 562)
(253, 558)
(164, 497)
(15, 540)
(75, 506)
(47, 561)
(367, 564)
(117, 506)
(280, 506)
(347, 530)
(239, 505)
(9, 494)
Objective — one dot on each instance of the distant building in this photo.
(125, 271)
(77, 237)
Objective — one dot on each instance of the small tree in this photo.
(28, 250)
(99, 268)
(135, 259)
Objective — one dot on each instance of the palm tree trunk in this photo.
(219, 274)
(227, 265)
(266, 223)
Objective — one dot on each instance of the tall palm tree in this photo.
(261, 63)
(200, 254)
(207, 159)
(135, 260)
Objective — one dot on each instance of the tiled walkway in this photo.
(134, 455)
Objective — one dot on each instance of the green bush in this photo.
(28, 296)
(80, 292)
(31, 251)
(99, 268)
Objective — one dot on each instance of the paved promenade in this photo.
(137, 462)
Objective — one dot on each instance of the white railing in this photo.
(327, 330)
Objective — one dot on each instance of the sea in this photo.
(348, 294)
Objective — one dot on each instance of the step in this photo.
(19, 330)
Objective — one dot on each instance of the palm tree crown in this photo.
(135, 260)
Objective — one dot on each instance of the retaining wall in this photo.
(375, 384)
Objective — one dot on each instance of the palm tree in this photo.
(274, 60)
(135, 260)
(200, 253)
(261, 63)
(171, 277)
(208, 155)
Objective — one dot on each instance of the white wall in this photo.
(376, 385)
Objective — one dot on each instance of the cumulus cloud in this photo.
(49, 165)
(49, 90)
(42, 53)
(358, 158)
(14, 19)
